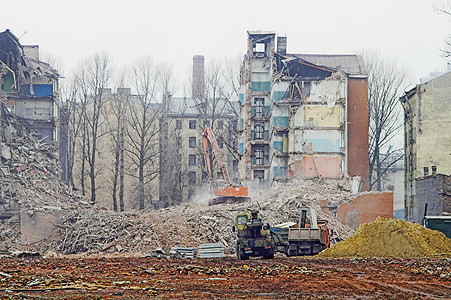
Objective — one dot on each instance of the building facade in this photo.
(427, 143)
(302, 115)
(31, 87)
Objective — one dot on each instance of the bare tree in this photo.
(171, 171)
(116, 128)
(142, 129)
(71, 111)
(444, 7)
(92, 79)
(386, 83)
(231, 93)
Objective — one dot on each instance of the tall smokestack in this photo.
(282, 45)
(198, 76)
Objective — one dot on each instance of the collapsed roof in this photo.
(319, 66)
(14, 61)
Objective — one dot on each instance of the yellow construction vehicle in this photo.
(253, 237)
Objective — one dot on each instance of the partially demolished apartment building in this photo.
(302, 115)
(29, 87)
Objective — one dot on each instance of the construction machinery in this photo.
(223, 188)
(253, 237)
(307, 237)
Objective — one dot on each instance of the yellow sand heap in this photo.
(391, 238)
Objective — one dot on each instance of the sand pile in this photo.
(391, 238)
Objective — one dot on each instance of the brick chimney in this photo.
(198, 77)
(282, 45)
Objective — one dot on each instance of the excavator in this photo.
(224, 189)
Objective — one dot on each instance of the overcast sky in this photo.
(173, 31)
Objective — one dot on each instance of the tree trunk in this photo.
(92, 171)
(83, 162)
(121, 172)
(378, 171)
(116, 174)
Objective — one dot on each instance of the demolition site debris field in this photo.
(224, 278)
(93, 253)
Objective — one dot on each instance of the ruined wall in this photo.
(366, 209)
(435, 191)
(36, 226)
(427, 193)
(35, 109)
(357, 118)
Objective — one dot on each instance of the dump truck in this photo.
(253, 237)
(224, 189)
(307, 237)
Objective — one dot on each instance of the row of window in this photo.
(192, 124)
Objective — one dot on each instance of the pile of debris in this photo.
(392, 238)
(29, 176)
(92, 230)
(89, 230)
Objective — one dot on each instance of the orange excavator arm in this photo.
(209, 138)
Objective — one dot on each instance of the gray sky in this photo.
(173, 31)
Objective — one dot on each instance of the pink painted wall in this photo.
(325, 166)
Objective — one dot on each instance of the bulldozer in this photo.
(253, 237)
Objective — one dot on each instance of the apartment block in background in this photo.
(427, 148)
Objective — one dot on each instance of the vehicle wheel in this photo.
(287, 251)
(240, 254)
(269, 254)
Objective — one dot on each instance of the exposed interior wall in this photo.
(357, 129)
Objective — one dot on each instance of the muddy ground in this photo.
(220, 278)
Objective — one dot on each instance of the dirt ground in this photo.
(221, 278)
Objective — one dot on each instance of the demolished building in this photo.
(30, 87)
(302, 115)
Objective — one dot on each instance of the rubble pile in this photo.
(392, 238)
(29, 176)
(29, 168)
(94, 231)
(284, 204)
